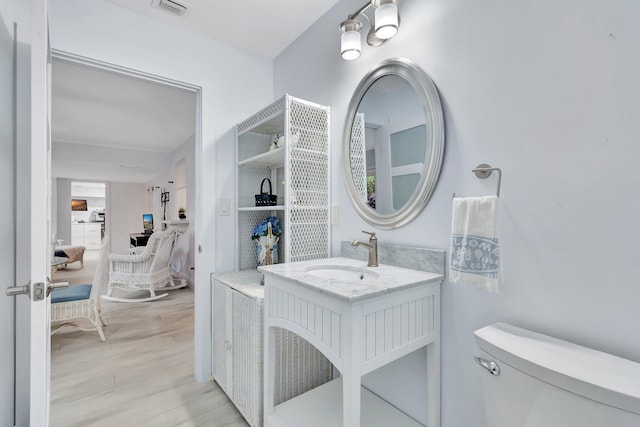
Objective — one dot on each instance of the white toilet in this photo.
(533, 380)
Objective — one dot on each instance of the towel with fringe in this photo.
(475, 248)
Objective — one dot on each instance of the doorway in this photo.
(130, 167)
(88, 213)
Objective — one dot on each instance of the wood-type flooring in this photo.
(143, 374)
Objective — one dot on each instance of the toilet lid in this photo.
(593, 374)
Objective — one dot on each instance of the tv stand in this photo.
(138, 239)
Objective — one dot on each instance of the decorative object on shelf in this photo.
(267, 234)
(277, 141)
(266, 199)
(181, 213)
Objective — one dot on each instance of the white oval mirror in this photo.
(393, 144)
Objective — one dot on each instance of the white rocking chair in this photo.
(144, 271)
(80, 302)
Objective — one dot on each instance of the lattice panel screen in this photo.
(309, 179)
(247, 344)
(308, 222)
(309, 117)
(278, 186)
(308, 234)
(357, 154)
(219, 313)
(262, 116)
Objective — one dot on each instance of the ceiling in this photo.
(99, 107)
(97, 111)
(261, 27)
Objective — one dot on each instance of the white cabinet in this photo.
(86, 234)
(238, 305)
(299, 173)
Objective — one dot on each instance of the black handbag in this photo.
(266, 199)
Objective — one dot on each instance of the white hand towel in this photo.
(475, 249)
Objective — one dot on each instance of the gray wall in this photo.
(547, 91)
(126, 204)
(63, 210)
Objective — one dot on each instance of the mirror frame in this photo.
(434, 156)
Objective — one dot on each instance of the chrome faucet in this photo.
(372, 246)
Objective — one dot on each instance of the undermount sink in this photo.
(341, 273)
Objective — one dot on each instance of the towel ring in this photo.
(483, 171)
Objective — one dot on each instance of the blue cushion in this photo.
(62, 254)
(72, 293)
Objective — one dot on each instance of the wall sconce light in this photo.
(350, 44)
(384, 26)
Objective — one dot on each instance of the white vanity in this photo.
(360, 318)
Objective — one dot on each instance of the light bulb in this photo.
(350, 41)
(386, 19)
(350, 45)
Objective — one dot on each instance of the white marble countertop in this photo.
(389, 278)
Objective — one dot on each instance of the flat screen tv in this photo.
(147, 223)
(79, 204)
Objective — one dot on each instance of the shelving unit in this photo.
(299, 173)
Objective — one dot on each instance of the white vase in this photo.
(264, 245)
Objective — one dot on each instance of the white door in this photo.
(24, 228)
(7, 219)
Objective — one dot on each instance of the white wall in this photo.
(234, 85)
(127, 203)
(548, 92)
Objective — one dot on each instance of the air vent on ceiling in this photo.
(173, 6)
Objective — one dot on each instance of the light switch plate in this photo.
(224, 207)
(335, 214)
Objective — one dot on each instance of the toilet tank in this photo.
(533, 380)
